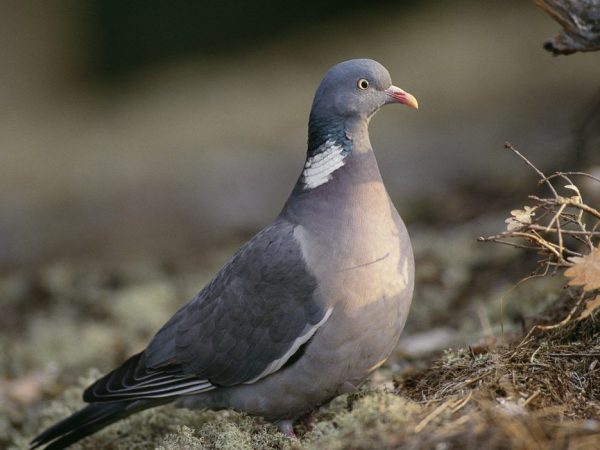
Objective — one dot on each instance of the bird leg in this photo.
(286, 427)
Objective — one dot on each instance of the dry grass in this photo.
(533, 390)
(539, 392)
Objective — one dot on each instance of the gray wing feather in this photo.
(247, 318)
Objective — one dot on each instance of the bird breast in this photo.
(359, 255)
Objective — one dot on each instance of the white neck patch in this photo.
(319, 168)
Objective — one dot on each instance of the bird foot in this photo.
(286, 427)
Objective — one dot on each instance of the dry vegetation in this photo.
(529, 380)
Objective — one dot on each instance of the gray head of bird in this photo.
(356, 89)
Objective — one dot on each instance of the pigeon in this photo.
(306, 309)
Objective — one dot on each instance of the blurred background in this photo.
(142, 142)
(130, 129)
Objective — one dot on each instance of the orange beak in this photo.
(398, 95)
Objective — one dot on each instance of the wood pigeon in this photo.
(306, 309)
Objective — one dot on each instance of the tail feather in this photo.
(87, 421)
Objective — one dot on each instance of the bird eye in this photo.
(363, 84)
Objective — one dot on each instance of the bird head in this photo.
(356, 89)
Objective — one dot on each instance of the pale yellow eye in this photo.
(363, 84)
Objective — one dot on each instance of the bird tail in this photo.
(88, 420)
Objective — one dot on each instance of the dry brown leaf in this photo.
(586, 271)
(590, 307)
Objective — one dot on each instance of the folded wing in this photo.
(245, 324)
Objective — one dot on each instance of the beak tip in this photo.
(400, 96)
(411, 101)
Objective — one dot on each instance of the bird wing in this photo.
(245, 324)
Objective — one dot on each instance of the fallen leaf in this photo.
(590, 307)
(586, 271)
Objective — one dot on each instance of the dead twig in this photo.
(554, 226)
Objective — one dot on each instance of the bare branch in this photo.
(559, 174)
(509, 146)
(558, 228)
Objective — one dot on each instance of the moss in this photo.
(60, 338)
(142, 309)
(376, 419)
(183, 438)
(228, 431)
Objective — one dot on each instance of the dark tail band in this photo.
(88, 420)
